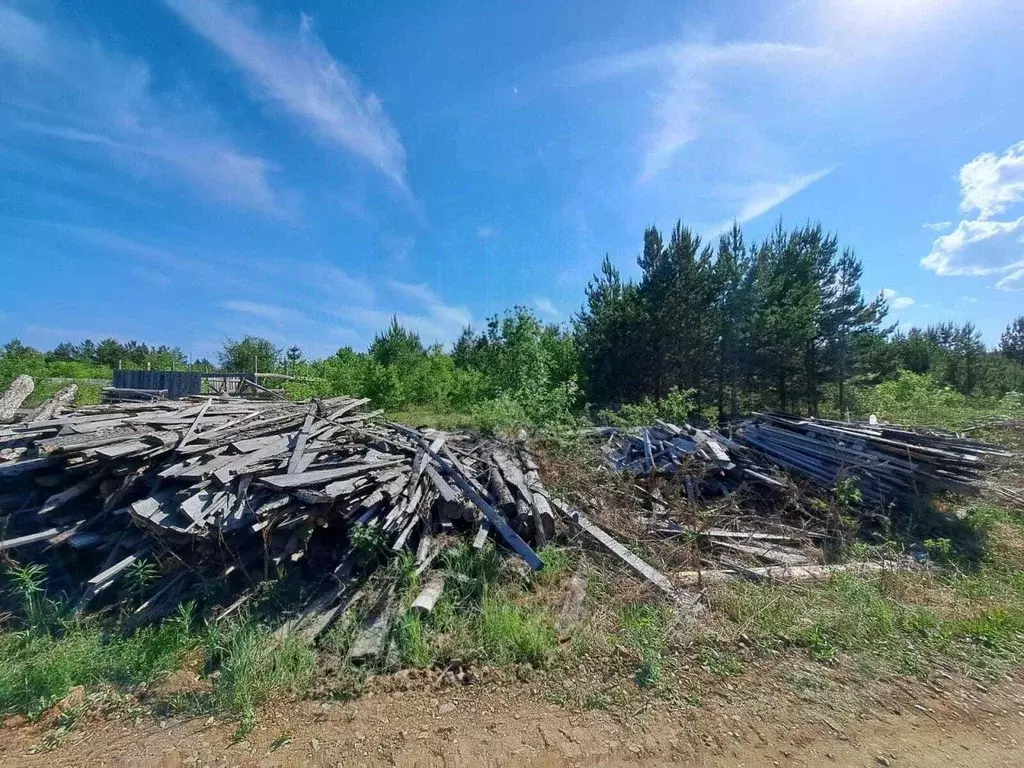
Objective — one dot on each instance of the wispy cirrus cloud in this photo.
(69, 89)
(938, 226)
(690, 100)
(991, 185)
(762, 197)
(272, 312)
(447, 315)
(296, 71)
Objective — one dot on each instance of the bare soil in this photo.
(806, 715)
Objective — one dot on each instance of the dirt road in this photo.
(940, 722)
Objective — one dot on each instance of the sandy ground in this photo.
(939, 722)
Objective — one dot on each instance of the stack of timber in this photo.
(229, 492)
(888, 464)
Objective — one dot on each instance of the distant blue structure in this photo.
(183, 383)
(177, 383)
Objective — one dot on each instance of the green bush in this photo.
(913, 398)
(676, 408)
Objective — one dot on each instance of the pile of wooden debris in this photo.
(886, 464)
(229, 491)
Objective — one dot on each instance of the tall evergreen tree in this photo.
(1011, 343)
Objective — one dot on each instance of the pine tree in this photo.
(1011, 343)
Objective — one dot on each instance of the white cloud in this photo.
(70, 89)
(295, 71)
(486, 231)
(764, 197)
(969, 300)
(991, 183)
(896, 302)
(976, 248)
(546, 307)
(938, 226)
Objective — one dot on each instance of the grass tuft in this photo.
(645, 629)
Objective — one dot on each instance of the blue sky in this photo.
(182, 171)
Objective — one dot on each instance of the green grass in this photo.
(254, 664)
(513, 634)
(968, 612)
(39, 666)
(489, 613)
(88, 393)
(645, 627)
(425, 416)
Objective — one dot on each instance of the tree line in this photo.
(781, 324)
(721, 328)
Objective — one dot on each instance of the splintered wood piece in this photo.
(428, 596)
(28, 465)
(481, 535)
(52, 407)
(773, 555)
(300, 441)
(781, 573)
(15, 395)
(572, 607)
(195, 424)
(30, 538)
(371, 640)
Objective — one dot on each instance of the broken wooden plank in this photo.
(300, 441)
(287, 481)
(689, 601)
(191, 431)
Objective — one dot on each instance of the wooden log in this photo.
(500, 492)
(771, 554)
(428, 596)
(15, 395)
(781, 573)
